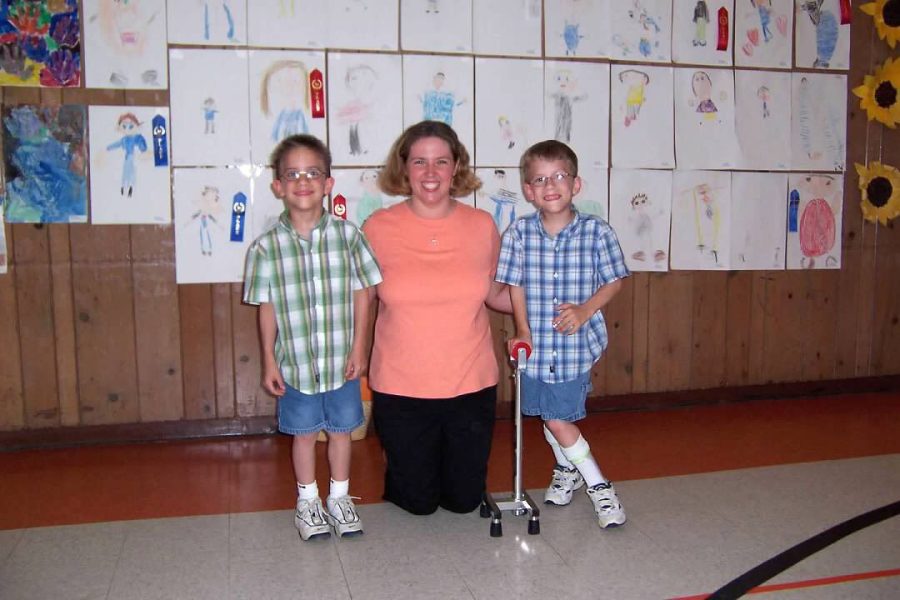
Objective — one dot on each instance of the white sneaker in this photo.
(309, 520)
(564, 482)
(342, 516)
(609, 510)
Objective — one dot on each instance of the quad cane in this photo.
(520, 503)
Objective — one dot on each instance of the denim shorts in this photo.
(337, 411)
(555, 401)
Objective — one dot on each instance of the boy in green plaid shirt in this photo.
(309, 275)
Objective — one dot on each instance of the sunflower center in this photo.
(891, 13)
(879, 191)
(885, 94)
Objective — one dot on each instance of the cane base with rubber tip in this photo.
(520, 503)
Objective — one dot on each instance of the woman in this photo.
(433, 371)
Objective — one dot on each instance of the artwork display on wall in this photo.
(578, 29)
(823, 35)
(129, 161)
(814, 216)
(640, 210)
(509, 115)
(758, 220)
(288, 23)
(762, 33)
(436, 25)
(818, 121)
(643, 125)
(700, 35)
(45, 162)
(501, 195)
(704, 119)
(440, 88)
(208, 22)
(701, 220)
(641, 30)
(207, 209)
(576, 108)
(360, 193)
(125, 44)
(287, 96)
(41, 43)
(521, 35)
(365, 100)
(763, 119)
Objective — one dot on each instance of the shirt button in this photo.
(556, 276)
(555, 301)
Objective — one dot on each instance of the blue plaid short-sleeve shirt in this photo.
(568, 268)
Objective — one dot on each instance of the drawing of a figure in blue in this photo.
(209, 115)
(229, 20)
(131, 140)
(437, 104)
(826, 32)
(285, 89)
(701, 20)
(207, 213)
(571, 37)
(649, 30)
(765, 16)
(45, 171)
(504, 200)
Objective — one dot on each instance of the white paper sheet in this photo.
(576, 108)
(643, 126)
(640, 210)
(815, 209)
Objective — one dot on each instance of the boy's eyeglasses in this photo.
(542, 180)
(295, 175)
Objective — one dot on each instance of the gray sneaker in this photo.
(309, 521)
(342, 516)
(609, 510)
(564, 482)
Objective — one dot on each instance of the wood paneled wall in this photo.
(94, 330)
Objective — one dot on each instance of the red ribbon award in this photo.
(846, 12)
(339, 207)
(317, 94)
(724, 33)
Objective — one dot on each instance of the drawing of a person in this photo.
(764, 7)
(707, 220)
(818, 124)
(431, 6)
(504, 200)
(817, 227)
(571, 37)
(371, 199)
(701, 85)
(286, 8)
(765, 97)
(209, 115)
(641, 220)
(207, 19)
(701, 20)
(563, 99)
(506, 132)
(636, 81)
(207, 214)
(360, 82)
(285, 88)
(438, 104)
(131, 140)
(125, 26)
(826, 32)
(648, 27)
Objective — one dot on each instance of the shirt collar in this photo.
(285, 221)
(567, 231)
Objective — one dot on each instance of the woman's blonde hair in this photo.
(393, 179)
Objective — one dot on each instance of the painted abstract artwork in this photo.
(40, 43)
(44, 160)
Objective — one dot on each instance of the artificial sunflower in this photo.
(878, 93)
(886, 14)
(880, 187)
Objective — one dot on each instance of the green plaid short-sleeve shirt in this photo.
(310, 284)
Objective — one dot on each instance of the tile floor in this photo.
(687, 535)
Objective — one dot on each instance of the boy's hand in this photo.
(273, 382)
(570, 318)
(511, 342)
(357, 365)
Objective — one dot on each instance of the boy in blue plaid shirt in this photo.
(562, 267)
(308, 274)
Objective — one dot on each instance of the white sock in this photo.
(308, 491)
(339, 489)
(561, 459)
(580, 455)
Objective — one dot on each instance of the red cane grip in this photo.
(514, 353)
